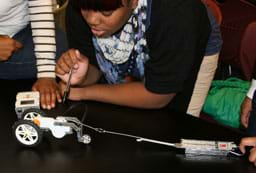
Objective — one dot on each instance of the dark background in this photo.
(110, 153)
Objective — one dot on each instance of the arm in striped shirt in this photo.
(43, 32)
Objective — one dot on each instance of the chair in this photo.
(59, 7)
(211, 4)
(247, 52)
(237, 16)
(238, 28)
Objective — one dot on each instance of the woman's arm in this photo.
(133, 94)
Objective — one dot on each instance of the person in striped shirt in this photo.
(28, 46)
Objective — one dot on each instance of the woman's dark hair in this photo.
(97, 5)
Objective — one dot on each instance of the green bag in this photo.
(224, 100)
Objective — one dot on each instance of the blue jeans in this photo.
(22, 64)
(251, 130)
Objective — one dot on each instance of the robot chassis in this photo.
(33, 122)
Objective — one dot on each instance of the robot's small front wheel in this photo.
(27, 133)
(86, 139)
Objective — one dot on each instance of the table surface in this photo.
(111, 153)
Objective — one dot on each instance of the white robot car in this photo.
(32, 122)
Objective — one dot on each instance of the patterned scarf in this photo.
(122, 56)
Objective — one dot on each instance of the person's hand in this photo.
(245, 111)
(49, 92)
(249, 141)
(7, 47)
(72, 58)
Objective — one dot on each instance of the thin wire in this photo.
(138, 138)
(73, 106)
(100, 130)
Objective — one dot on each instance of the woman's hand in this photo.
(251, 142)
(245, 111)
(72, 58)
(7, 47)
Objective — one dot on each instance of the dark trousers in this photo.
(22, 64)
(252, 119)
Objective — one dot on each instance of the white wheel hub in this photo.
(26, 134)
(31, 115)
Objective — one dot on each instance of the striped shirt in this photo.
(16, 14)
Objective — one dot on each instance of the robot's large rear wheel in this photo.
(27, 133)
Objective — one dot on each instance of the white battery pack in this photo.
(205, 147)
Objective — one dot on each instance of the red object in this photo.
(236, 17)
(211, 4)
(248, 51)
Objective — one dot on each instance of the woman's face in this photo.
(106, 23)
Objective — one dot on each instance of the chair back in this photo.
(212, 5)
